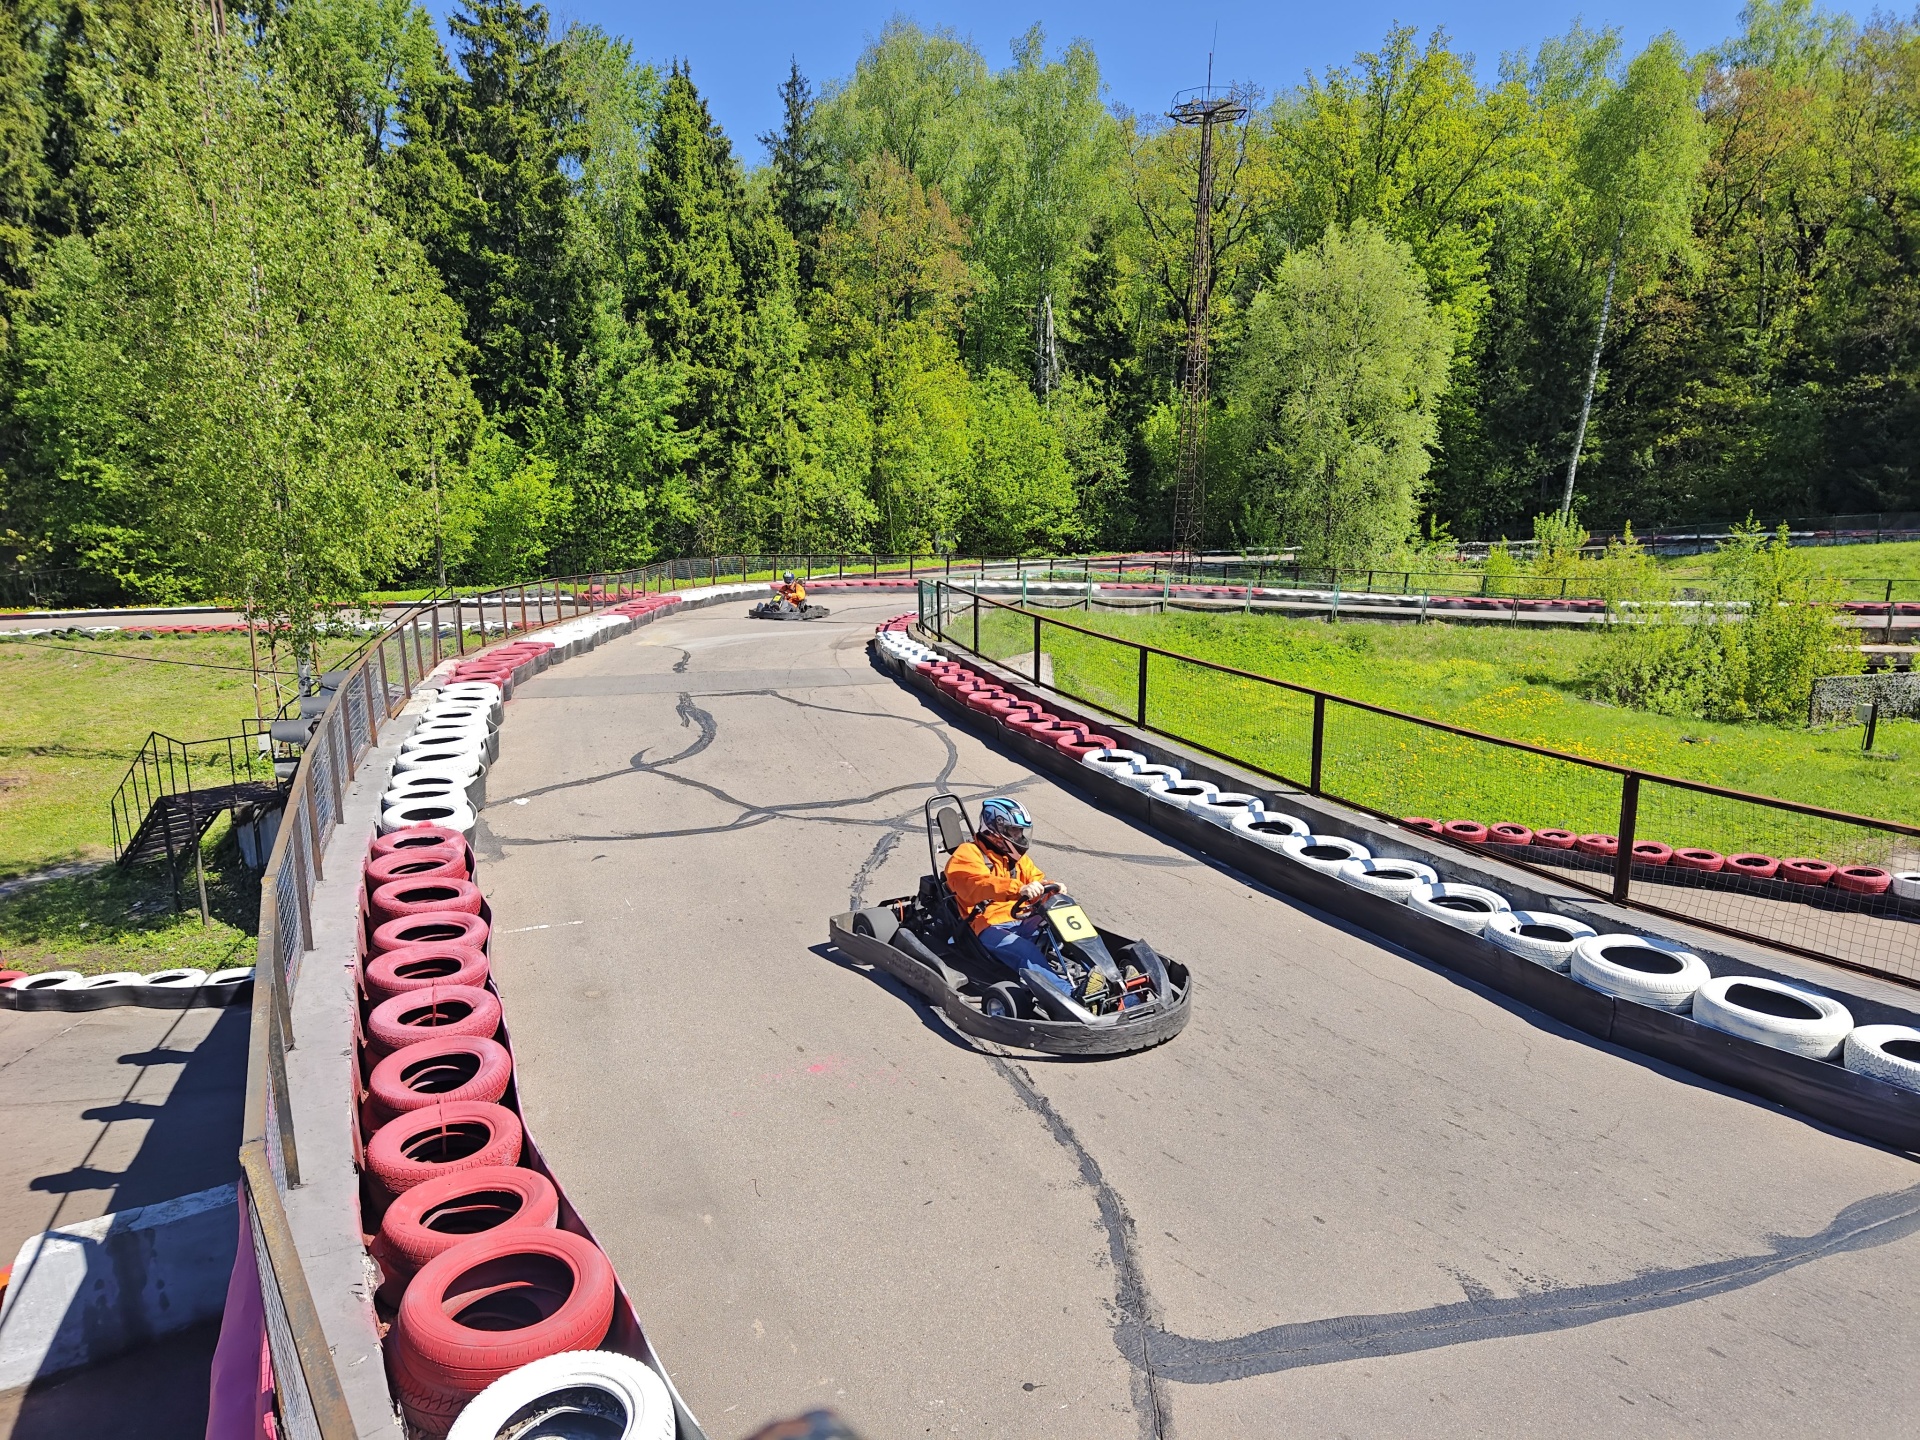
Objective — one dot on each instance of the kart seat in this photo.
(953, 830)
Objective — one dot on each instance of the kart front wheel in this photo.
(1004, 1001)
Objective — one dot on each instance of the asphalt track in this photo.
(1356, 1197)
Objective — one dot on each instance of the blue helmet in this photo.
(1007, 822)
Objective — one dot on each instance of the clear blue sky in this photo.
(739, 48)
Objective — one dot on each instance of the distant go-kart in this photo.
(781, 608)
(1124, 996)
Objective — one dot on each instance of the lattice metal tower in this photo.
(1204, 109)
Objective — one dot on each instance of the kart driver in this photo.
(791, 590)
(987, 875)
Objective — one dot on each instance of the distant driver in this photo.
(791, 590)
(992, 873)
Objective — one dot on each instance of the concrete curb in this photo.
(85, 1293)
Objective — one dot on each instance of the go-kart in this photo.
(781, 608)
(1120, 994)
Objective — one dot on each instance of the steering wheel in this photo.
(1024, 908)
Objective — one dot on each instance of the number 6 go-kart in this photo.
(1123, 995)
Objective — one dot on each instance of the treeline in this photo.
(296, 300)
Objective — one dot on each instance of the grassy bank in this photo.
(1516, 684)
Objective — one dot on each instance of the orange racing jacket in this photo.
(976, 874)
(794, 594)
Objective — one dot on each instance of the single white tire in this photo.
(107, 982)
(1227, 807)
(468, 754)
(1269, 828)
(1326, 853)
(1643, 970)
(1906, 884)
(1183, 793)
(484, 692)
(238, 975)
(462, 734)
(1145, 777)
(1465, 907)
(1770, 1012)
(1537, 935)
(1886, 1052)
(185, 978)
(47, 980)
(605, 1389)
(459, 712)
(454, 814)
(1394, 879)
(461, 769)
(1113, 762)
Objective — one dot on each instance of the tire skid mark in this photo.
(1864, 1225)
(1133, 1304)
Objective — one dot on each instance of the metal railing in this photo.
(165, 766)
(1396, 766)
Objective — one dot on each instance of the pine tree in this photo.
(797, 172)
(479, 183)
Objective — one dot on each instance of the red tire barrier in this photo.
(1508, 833)
(1471, 832)
(1862, 879)
(423, 862)
(441, 1071)
(1651, 852)
(417, 837)
(435, 927)
(400, 898)
(428, 1014)
(1711, 861)
(442, 1140)
(419, 967)
(1804, 871)
(489, 1306)
(1555, 839)
(1597, 844)
(1421, 822)
(1760, 867)
(436, 1215)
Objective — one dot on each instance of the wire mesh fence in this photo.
(1813, 881)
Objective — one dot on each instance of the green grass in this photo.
(1515, 684)
(1869, 567)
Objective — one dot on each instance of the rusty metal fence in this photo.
(1752, 866)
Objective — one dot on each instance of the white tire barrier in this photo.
(1269, 828)
(185, 978)
(1325, 853)
(1537, 935)
(1465, 907)
(454, 814)
(1227, 807)
(1393, 879)
(1117, 763)
(1886, 1052)
(238, 975)
(1906, 884)
(1182, 793)
(1769, 1012)
(46, 980)
(1145, 777)
(107, 982)
(1635, 967)
(614, 1395)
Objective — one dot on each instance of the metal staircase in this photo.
(176, 789)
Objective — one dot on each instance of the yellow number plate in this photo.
(1070, 922)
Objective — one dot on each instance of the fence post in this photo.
(1319, 732)
(940, 609)
(1140, 701)
(1629, 817)
(976, 620)
(1036, 649)
(1889, 639)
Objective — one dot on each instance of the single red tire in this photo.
(1508, 833)
(422, 862)
(1597, 844)
(1709, 861)
(1555, 839)
(1029, 723)
(431, 1013)
(1805, 871)
(436, 1215)
(1421, 822)
(1651, 852)
(438, 1072)
(420, 967)
(1760, 867)
(434, 927)
(1862, 879)
(1086, 745)
(417, 837)
(1470, 831)
(421, 1145)
(496, 1302)
(400, 898)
